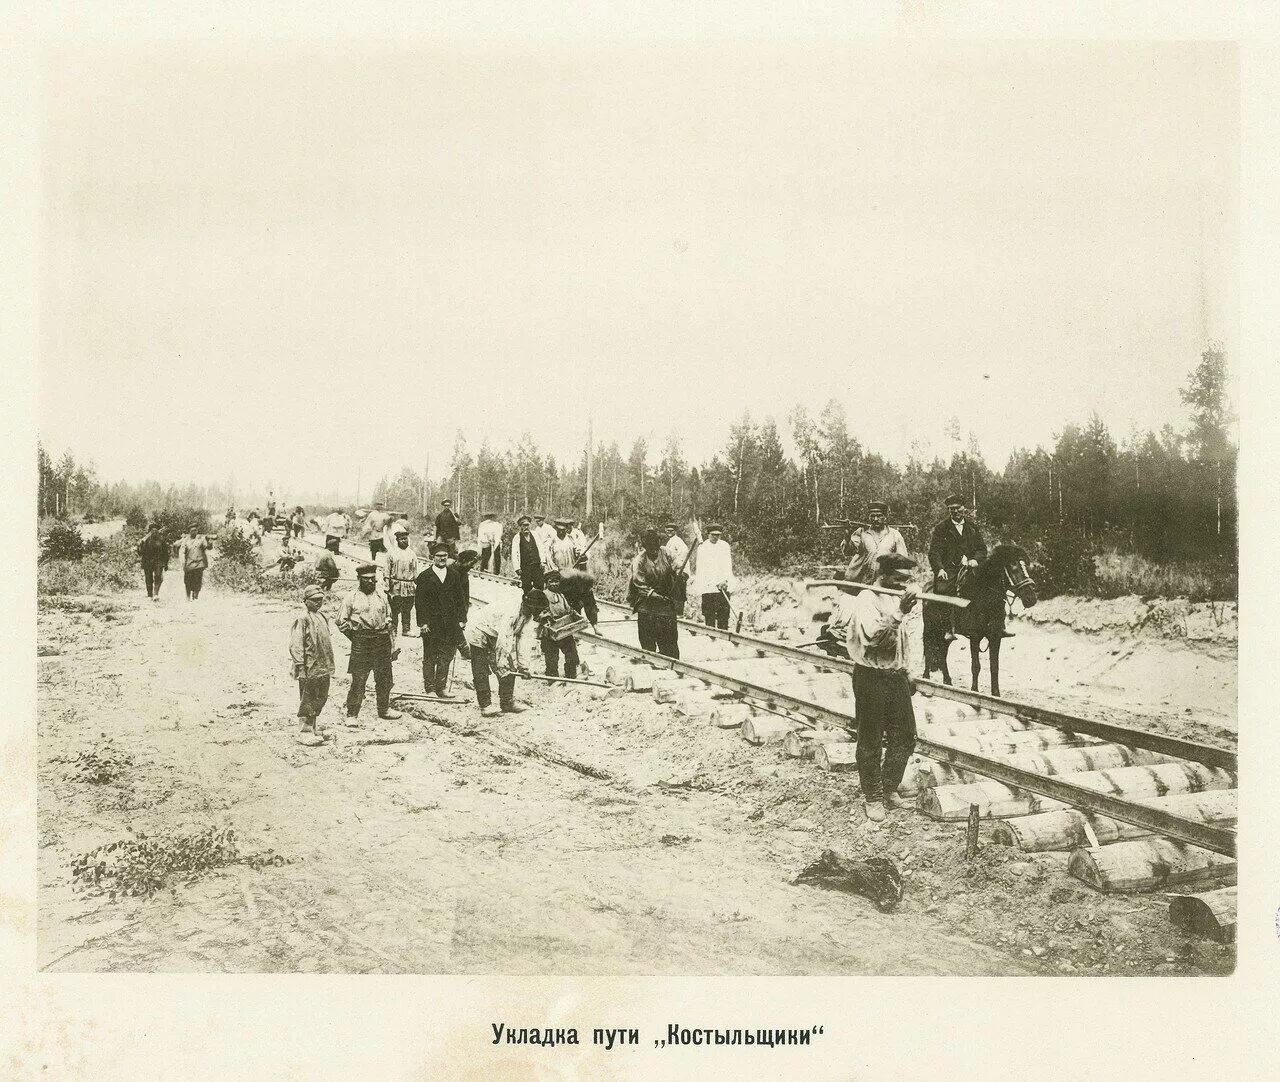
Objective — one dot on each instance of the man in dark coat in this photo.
(441, 607)
(956, 543)
(527, 556)
(447, 527)
(657, 593)
(154, 554)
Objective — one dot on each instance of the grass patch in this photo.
(102, 765)
(140, 866)
(1119, 574)
(108, 569)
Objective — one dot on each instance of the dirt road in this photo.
(456, 848)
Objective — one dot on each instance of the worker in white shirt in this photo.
(713, 578)
(674, 546)
(563, 552)
(489, 538)
(335, 529)
(543, 531)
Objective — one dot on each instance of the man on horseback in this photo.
(956, 543)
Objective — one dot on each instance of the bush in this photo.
(1063, 562)
(104, 566)
(62, 542)
(235, 546)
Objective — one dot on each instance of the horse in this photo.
(1002, 574)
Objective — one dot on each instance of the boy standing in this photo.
(311, 651)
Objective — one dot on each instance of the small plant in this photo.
(140, 866)
(62, 542)
(103, 765)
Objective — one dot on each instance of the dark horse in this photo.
(985, 587)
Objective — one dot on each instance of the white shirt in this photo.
(877, 637)
(676, 549)
(336, 525)
(440, 572)
(489, 533)
(713, 568)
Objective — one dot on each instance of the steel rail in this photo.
(1106, 731)
(1217, 839)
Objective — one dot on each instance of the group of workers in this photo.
(556, 597)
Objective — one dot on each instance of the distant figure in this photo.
(955, 543)
(528, 555)
(271, 505)
(441, 606)
(365, 618)
(154, 554)
(881, 689)
(713, 578)
(657, 593)
(576, 535)
(229, 517)
(493, 638)
(674, 545)
(402, 578)
(489, 538)
(311, 651)
(870, 542)
(374, 524)
(326, 569)
(543, 530)
(335, 529)
(447, 527)
(298, 522)
(193, 554)
(563, 553)
(255, 531)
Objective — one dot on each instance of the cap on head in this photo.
(650, 539)
(955, 501)
(564, 522)
(367, 571)
(523, 520)
(400, 530)
(439, 547)
(894, 561)
(670, 526)
(313, 592)
(878, 505)
(715, 527)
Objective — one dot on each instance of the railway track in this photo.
(1137, 811)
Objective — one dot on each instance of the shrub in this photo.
(1063, 562)
(233, 545)
(104, 566)
(62, 542)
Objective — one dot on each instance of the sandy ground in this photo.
(468, 845)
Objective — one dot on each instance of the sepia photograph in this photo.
(540, 535)
(602, 511)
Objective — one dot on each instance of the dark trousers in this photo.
(370, 653)
(494, 553)
(313, 693)
(376, 546)
(154, 576)
(297, 530)
(437, 655)
(886, 726)
(480, 680)
(193, 579)
(333, 544)
(551, 651)
(715, 610)
(658, 632)
(401, 611)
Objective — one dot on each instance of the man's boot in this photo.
(489, 711)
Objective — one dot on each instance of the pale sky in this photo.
(284, 262)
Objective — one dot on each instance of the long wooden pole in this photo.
(845, 584)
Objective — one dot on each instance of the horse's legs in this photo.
(975, 660)
(994, 647)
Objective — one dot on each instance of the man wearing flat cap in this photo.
(564, 551)
(956, 543)
(447, 526)
(878, 647)
(528, 555)
(311, 652)
(657, 593)
(673, 545)
(193, 557)
(365, 618)
(441, 606)
(402, 577)
(868, 543)
(712, 578)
